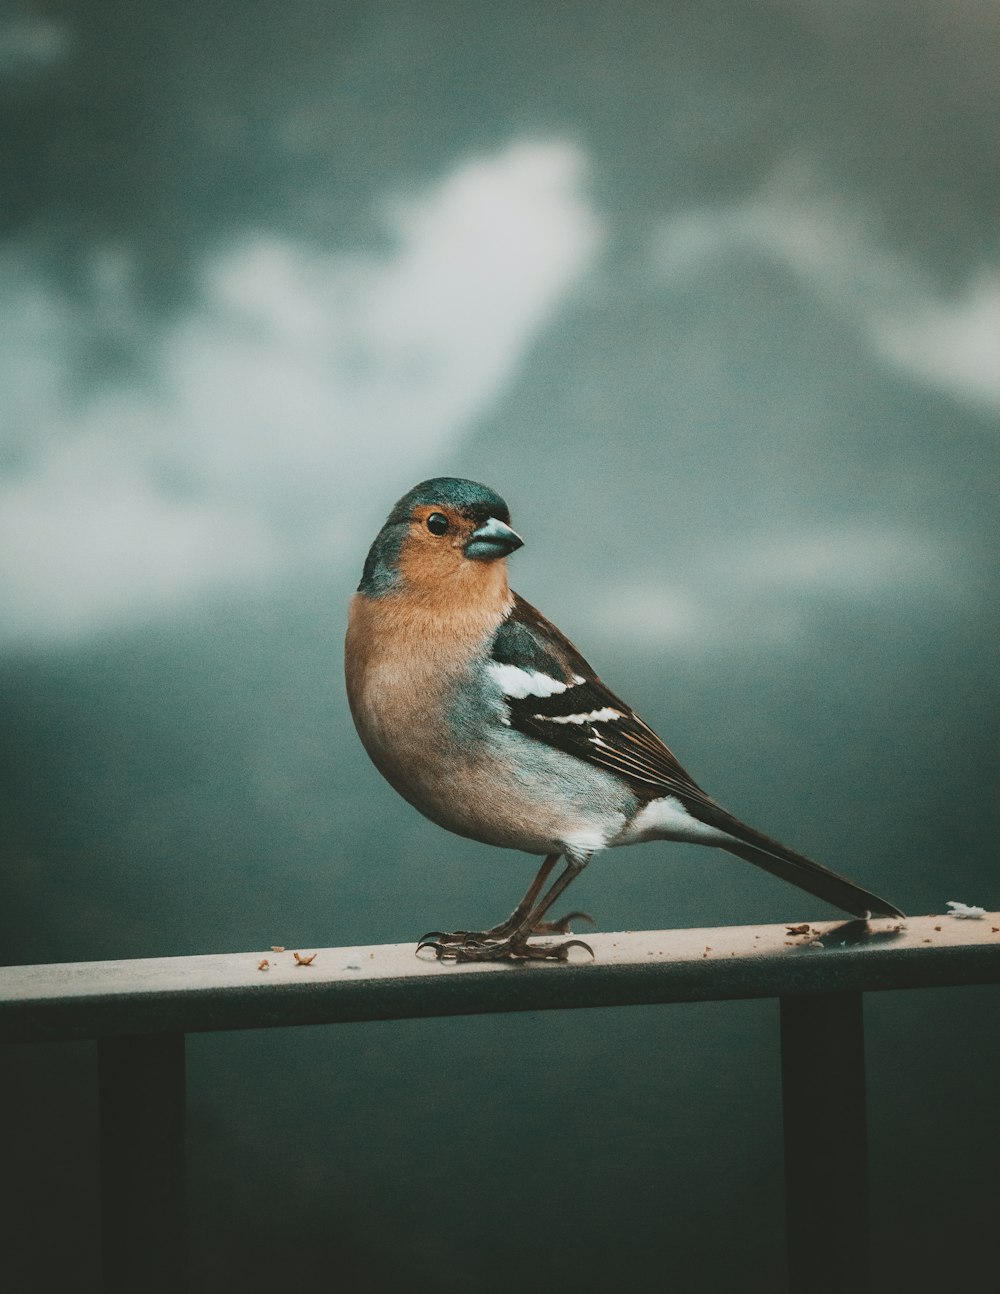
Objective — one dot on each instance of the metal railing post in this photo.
(826, 1147)
(142, 1163)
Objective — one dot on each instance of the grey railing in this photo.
(139, 1012)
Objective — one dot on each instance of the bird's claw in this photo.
(562, 926)
(503, 937)
(558, 952)
(461, 946)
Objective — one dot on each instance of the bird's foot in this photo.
(485, 946)
(504, 942)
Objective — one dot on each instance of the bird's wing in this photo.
(554, 695)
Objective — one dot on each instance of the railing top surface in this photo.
(387, 981)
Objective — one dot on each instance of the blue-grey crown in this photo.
(477, 501)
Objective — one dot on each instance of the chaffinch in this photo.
(488, 720)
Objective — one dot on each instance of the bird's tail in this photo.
(812, 877)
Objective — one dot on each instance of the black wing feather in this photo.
(630, 748)
(625, 744)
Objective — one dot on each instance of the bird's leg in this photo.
(534, 924)
(440, 939)
(538, 927)
(509, 940)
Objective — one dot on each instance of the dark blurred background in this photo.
(710, 293)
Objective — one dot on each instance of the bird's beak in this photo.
(493, 539)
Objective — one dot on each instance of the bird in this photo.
(489, 721)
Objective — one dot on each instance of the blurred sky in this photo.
(711, 294)
(267, 265)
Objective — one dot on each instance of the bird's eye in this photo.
(437, 523)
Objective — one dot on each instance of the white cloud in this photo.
(299, 395)
(766, 588)
(952, 344)
(859, 561)
(88, 540)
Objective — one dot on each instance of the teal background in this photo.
(710, 294)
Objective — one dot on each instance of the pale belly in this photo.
(474, 776)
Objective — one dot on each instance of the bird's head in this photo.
(443, 530)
